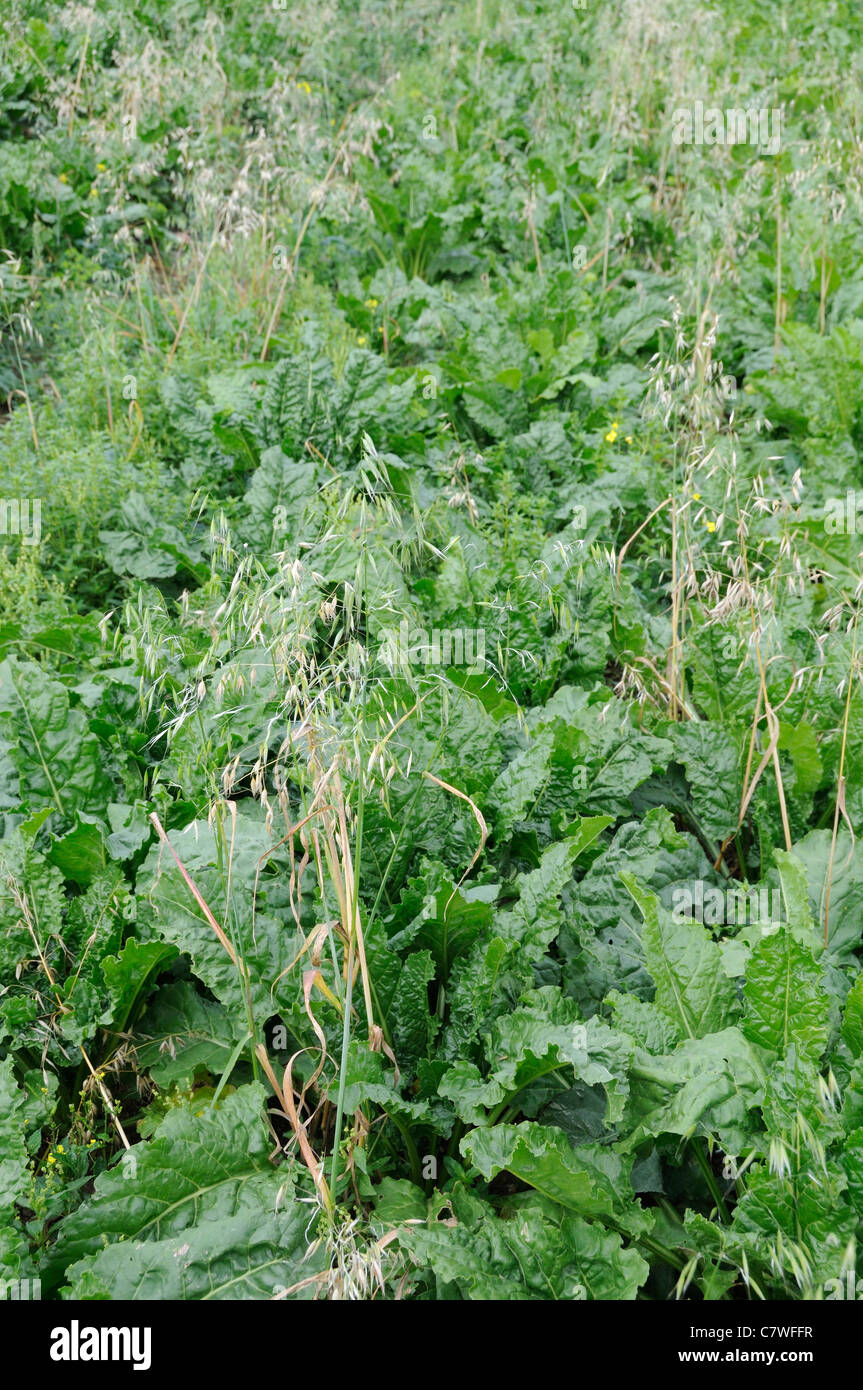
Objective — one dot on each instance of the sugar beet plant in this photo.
(431, 739)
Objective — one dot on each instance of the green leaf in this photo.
(785, 1000)
(686, 966)
(852, 1023)
(534, 1252)
(255, 1254)
(14, 1177)
(795, 895)
(601, 942)
(517, 785)
(711, 756)
(56, 757)
(438, 916)
(167, 907)
(81, 852)
(367, 1079)
(202, 1168)
(127, 974)
(589, 1179)
(844, 870)
(181, 1032)
(397, 1200)
(535, 920)
(414, 1027)
(706, 1086)
(148, 547)
(14, 1173)
(480, 987)
(130, 828)
(463, 1083)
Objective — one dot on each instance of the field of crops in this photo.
(431, 726)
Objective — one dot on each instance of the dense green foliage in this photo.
(435, 581)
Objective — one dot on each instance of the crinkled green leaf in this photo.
(182, 1031)
(590, 1179)
(204, 1166)
(686, 966)
(367, 1078)
(414, 1027)
(706, 1085)
(534, 1253)
(56, 757)
(535, 920)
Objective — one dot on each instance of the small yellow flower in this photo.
(60, 1149)
(101, 168)
(371, 303)
(64, 178)
(361, 340)
(51, 1158)
(697, 496)
(304, 87)
(628, 438)
(711, 525)
(611, 436)
(94, 192)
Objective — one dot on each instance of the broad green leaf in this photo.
(437, 915)
(130, 828)
(397, 1200)
(181, 1032)
(711, 756)
(706, 1085)
(14, 1177)
(845, 876)
(516, 787)
(55, 755)
(127, 975)
(200, 1167)
(368, 1079)
(535, 920)
(852, 1023)
(14, 1173)
(533, 1253)
(414, 1027)
(686, 966)
(482, 985)
(80, 853)
(255, 1254)
(795, 896)
(601, 940)
(786, 1002)
(590, 1179)
(266, 946)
